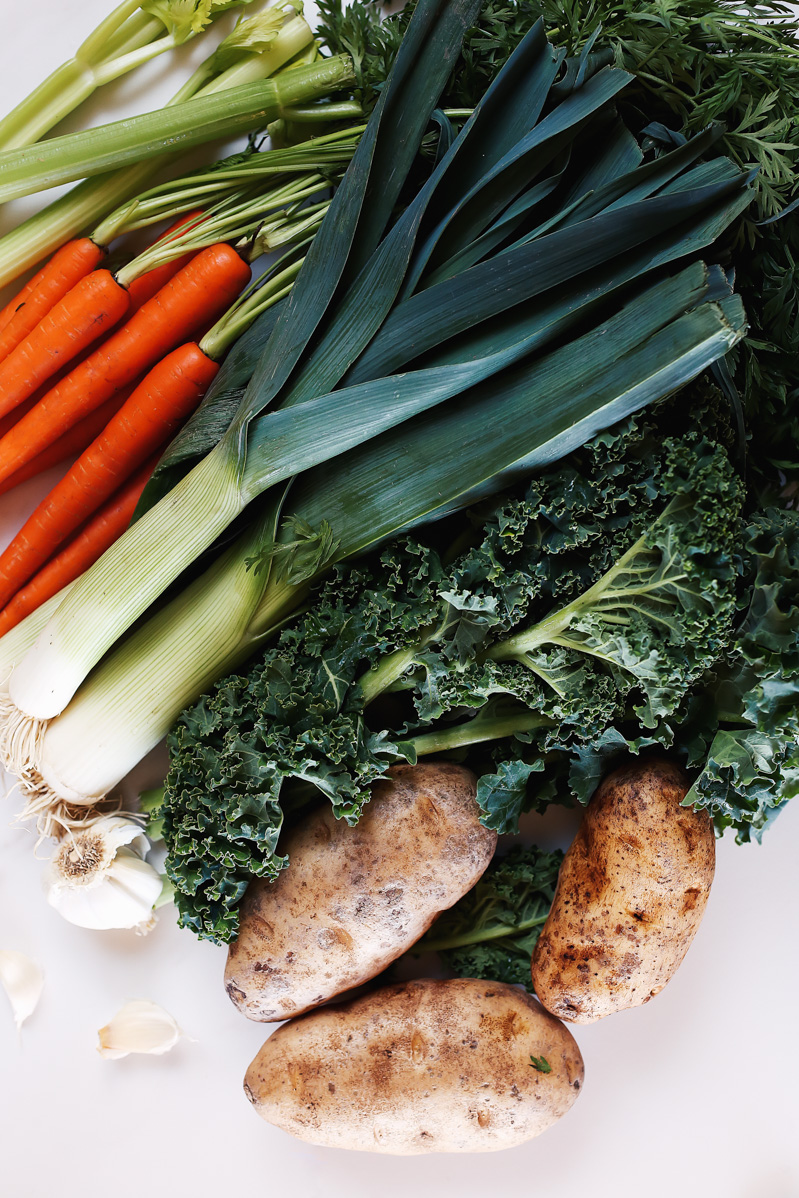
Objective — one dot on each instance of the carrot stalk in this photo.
(100, 532)
(67, 267)
(95, 304)
(151, 282)
(195, 297)
(71, 444)
(151, 415)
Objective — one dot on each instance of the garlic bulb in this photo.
(140, 1026)
(98, 879)
(22, 981)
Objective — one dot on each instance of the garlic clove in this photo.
(139, 1026)
(22, 981)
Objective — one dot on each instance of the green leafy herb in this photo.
(540, 1063)
(492, 931)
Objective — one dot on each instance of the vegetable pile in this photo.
(478, 499)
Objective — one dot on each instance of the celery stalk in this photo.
(126, 39)
(203, 119)
(42, 233)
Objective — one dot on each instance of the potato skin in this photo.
(354, 899)
(631, 893)
(422, 1066)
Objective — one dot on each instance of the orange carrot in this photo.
(146, 286)
(67, 267)
(7, 422)
(71, 444)
(94, 304)
(152, 414)
(8, 311)
(82, 551)
(83, 314)
(197, 295)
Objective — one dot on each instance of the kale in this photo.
(491, 932)
(600, 595)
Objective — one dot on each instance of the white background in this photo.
(693, 1095)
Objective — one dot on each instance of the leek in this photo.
(133, 34)
(82, 207)
(132, 699)
(139, 138)
(561, 331)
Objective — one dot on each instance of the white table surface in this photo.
(693, 1095)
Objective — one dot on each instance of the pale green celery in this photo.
(294, 37)
(29, 120)
(339, 110)
(205, 118)
(134, 697)
(71, 214)
(126, 39)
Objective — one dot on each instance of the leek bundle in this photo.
(528, 296)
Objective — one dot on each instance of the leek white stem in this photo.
(131, 701)
(96, 612)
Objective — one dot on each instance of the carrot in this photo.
(105, 527)
(152, 414)
(67, 267)
(197, 295)
(71, 444)
(8, 311)
(86, 312)
(146, 286)
(7, 422)
(96, 303)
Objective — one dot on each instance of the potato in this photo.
(423, 1066)
(354, 899)
(631, 893)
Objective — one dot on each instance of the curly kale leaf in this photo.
(492, 931)
(752, 765)
(294, 719)
(432, 639)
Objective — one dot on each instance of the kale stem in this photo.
(476, 936)
(477, 731)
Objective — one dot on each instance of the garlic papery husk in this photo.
(140, 1026)
(97, 877)
(22, 981)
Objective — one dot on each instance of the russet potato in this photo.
(422, 1066)
(631, 893)
(354, 899)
